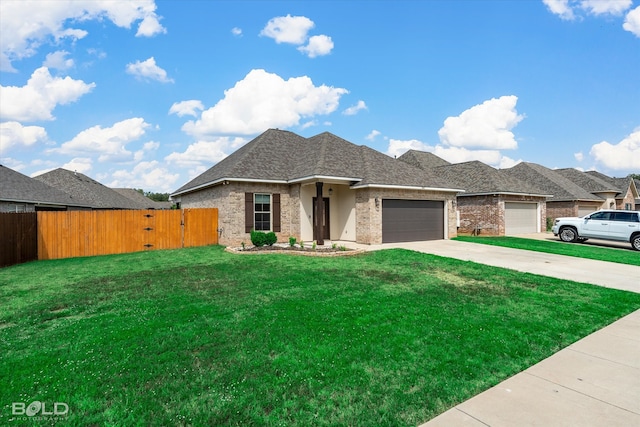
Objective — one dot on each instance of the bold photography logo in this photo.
(42, 409)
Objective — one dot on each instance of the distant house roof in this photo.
(81, 187)
(550, 182)
(141, 199)
(284, 157)
(423, 159)
(591, 183)
(479, 178)
(621, 184)
(19, 188)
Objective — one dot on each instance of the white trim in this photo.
(33, 202)
(408, 187)
(324, 177)
(507, 193)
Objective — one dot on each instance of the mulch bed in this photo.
(295, 250)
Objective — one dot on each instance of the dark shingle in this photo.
(423, 159)
(81, 187)
(17, 187)
(550, 182)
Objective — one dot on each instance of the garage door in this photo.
(520, 218)
(412, 220)
(585, 210)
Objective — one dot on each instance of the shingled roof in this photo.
(16, 187)
(550, 182)
(591, 183)
(285, 157)
(620, 184)
(479, 178)
(141, 199)
(423, 159)
(81, 187)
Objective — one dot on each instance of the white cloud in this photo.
(459, 154)
(318, 46)
(353, 110)
(236, 31)
(264, 100)
(608, 7)
(578, 156)
(14, 134)
(27, 24)
(288, 29)
(148, 70)
(58, 61)
(109, 143)
(186, 108)
(487, 125)
(398, 147)
(78, 164)
(40, 96)
(620, 156)
(205, 152)
(372, 135)
(632, 22)
(560, 8)
(150, 176)
(570, 9)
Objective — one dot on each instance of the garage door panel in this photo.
(520, 218)
(412, 220)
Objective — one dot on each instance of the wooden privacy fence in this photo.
(18, 238)
(86, 233)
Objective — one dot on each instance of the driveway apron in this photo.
(592, 383)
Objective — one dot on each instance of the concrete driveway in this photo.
(594, 382)
(607, 274)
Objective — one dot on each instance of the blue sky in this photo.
(149, 94)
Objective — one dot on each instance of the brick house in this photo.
(627, 190)
(568, 198)
(321, 188)
(493, 203)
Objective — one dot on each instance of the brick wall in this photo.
(229, 199)
(487, 213)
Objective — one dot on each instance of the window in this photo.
(601, 216)
(262, 212)
(628, 207)
(626, 217)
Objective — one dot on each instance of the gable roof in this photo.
(82, 187)
(285, 157)
(621, 184)
(423, 159)
(16, 187)
(550, 182)
(141, 199)
(479, 178)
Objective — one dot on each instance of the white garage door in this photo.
(585, 210)
(520, 218)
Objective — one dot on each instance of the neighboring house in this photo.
(627, 190)
(81, 187)
(19, 193)
(283, 182)
(594, 185)
(423, 159)
(492, 203)
(141, 199)
(568, 198)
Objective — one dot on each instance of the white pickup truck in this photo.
(618, 225)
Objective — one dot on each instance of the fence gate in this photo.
(87, 233)
(18, 238)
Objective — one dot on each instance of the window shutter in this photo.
(276, 212)
(248, 212)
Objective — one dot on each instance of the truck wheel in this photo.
(568, 234)
(635, 242)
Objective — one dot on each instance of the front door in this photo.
(325, 220)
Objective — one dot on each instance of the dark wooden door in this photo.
(325, 223)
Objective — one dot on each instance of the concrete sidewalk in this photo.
(592, 383)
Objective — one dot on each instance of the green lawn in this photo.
(621, 256)
(202, 337)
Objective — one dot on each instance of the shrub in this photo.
(270, 238)
(292, 241)
(258, 238)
